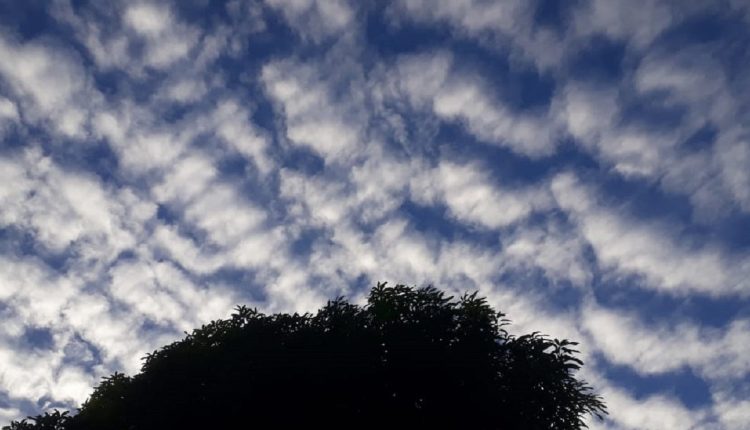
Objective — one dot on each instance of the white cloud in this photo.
(168, 40)
(236, 219)
(393, 250)
(66, 209)
(313, 118)
(142, 146)
(7, 414)
(381, 183)
(163, 294)
(185, 251)
(491, 121)
(112, 332)
(638, 22)
(28, 376)
(733, 156)
(186, 180)
(131, 37)
(552, 248)
(473, 16)
(733, 413)
(72, 383)
(49, 78)
(36, 294)
(51, 85)
(506, 27)
(234, 227)
(215, 207)
(8, 110)
(692, 82)
(34, 291)
(472, 197)
(429, 81)
(634, 248)
(651, 413)
(234, 126)
(186, 90)
(591, 115)
(586, 113)
(713, 353)
(316, 19)
(314, 199)
(148, 19)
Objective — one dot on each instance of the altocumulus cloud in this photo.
(585, 165)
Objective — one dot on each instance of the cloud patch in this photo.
(162, 162)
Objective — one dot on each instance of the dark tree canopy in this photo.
(410, 358)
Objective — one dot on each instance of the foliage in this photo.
(410, 358)
(49, 421)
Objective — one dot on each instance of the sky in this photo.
(585, 165)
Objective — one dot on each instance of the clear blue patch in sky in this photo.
(97, 157)
(387, 38)
(4, 399)
(559, 296)
(303, 244)
(18, 243)
(166, 214)
(554, 14)
(248, 285)
(233, 166)
(38, 338)
(520, 85)
(599, 60)
(437, 222)
(517, 83)
(304, 160)
(701, 140)
(644, 199)
(682, 384)
(507, 167)
(652, 111)
(697, 30)
(654, 306)
(80, 352)
(732, 232)
(31, 21)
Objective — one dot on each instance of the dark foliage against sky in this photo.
(410, 358)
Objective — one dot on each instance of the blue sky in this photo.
(585, 165)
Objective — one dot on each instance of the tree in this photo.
(410, 358)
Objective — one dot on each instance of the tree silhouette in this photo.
(410, 358)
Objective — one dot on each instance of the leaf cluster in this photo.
(409, 358)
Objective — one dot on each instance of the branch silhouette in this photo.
(409, 358)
